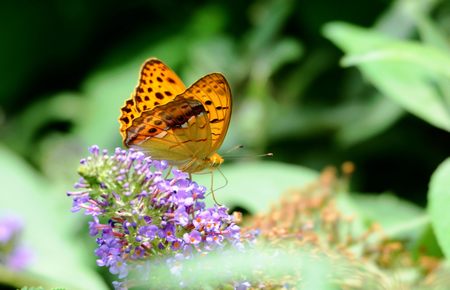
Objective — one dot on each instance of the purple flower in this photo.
(9, 227)
(215, 239)
(181, 216)
(12, 254)
(19, 258)
(242, 285)
(180, 175)
(149, 231)
(118, 266)
(193, 238)
(160, 165)
(93, 227)
(138, 213)
(168, 233)
(94, 150)
(119, 285)
(233, 232)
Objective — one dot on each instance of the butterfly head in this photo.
(215, 160)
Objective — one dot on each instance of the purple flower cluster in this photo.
(12, 254)
(138, 213)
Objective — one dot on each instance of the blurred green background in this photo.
(68, 66)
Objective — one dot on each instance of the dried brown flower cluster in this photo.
(313, 218)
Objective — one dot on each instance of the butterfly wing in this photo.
(158, 85)
(177, 131)
(214, 93)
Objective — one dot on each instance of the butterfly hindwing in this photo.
(178, 130)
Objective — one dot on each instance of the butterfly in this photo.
(169, 122)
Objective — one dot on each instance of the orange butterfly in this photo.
(169, 122)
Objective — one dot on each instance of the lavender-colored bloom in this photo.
(146, 212)
(12, 254)
(79, 200)
(160, 165)
(93, 229)
(149, 231)
(9, 227)
(181, 216)
(118, 266)
(19, 258)
(242, 285)
(180, 175)
(193, 237)
(119, 285)
(94, 150)
(168, 232)
(233, 232)
(215, 239)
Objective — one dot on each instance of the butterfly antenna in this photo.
(270, 154)
(234, 148)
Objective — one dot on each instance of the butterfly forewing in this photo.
(215, 94)
(158, 85)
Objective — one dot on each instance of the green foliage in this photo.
(439, 199)
(399, 70)
(409, 223)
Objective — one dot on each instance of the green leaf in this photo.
(273, 58)
(371, 119)
(398, 69)
(399, 218)
(427, 244)
(431, 33)
(57, 257)
(439, 205)
(60, 107)
(256, 185)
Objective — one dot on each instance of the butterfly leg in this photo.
(212, 188)
(168, 172)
